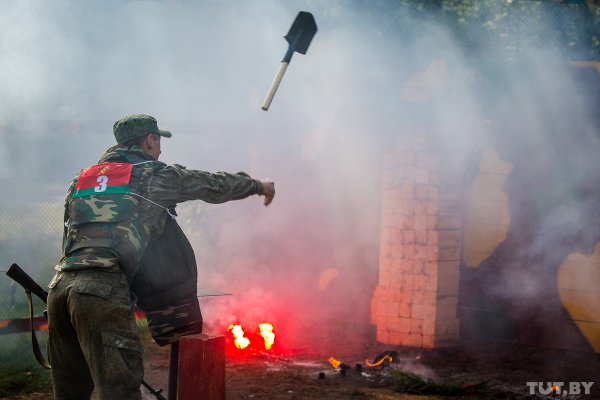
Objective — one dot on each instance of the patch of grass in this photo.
(16, 379)
(19, 371)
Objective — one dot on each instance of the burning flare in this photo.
(240, 341)
(266, 331)
(335, 363)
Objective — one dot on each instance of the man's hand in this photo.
(268, 191)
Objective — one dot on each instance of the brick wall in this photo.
(416, 298)
(487, 216)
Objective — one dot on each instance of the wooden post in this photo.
(201, 374)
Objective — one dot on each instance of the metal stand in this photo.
(173, 370)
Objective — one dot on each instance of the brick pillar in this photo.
(416, 299)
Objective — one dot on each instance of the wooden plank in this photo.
(40, 323)
(20, 325)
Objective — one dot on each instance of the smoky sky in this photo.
(202, 68)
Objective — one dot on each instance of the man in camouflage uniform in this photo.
(113, 211)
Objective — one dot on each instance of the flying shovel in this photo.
(299, 37)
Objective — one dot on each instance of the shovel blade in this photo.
(302, 31)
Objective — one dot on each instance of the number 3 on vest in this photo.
(103, 182)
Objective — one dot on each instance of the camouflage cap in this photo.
(136, 125)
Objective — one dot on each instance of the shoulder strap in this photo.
(34, 342)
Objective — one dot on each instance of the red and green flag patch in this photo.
(105, 178)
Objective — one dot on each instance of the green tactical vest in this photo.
(103, 208)
(159, 261)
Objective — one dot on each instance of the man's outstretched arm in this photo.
(176, 184)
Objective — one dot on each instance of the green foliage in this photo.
(502, 29)
(143, 330)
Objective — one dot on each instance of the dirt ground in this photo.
(477, 371)
(492, 371)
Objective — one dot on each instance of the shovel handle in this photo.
(280, 71)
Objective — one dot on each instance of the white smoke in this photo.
(202, 68)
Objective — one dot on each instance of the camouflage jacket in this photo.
(108, 230)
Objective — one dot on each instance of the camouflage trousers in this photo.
(93, 340)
